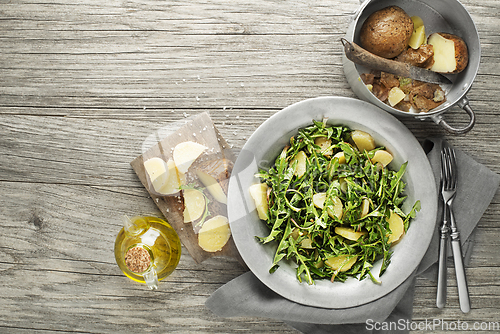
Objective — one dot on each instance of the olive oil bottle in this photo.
(147, 249)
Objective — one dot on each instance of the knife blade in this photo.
(360, 56)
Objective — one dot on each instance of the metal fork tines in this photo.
(448, 191)
(444, 233)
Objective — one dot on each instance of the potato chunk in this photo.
(301, 166)
(319, 200)
(383, 157)
(186, 153)
(396, 95)
(349, 233)
(214, 234)
(334, 210)
(417, 21)
(258, 192)
(325, 145)
(341, 157)
(157, 171)
(450, 53)
(214, 175)
(337, 209)
(213, 187)
(341, 262)
(194, 204)
(174, 181)
(363, 140)
(418, 36)
(365, 207)
(396, 225)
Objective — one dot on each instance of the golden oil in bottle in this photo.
(147, 249)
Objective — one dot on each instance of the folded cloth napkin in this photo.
(246, 296)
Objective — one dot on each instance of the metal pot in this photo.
(439, 16)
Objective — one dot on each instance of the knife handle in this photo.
(463, 290)
(442, 279)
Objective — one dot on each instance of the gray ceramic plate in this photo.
(261, 150)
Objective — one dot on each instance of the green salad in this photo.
(332, 204)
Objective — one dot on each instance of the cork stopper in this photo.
(137, 259)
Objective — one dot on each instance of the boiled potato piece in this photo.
(365, 207)
(450, 53)
(214, 175)
(174, 181)
(343, 185)
(319, 200)
(417, 38)
(363, 140)
(334, 211)
(349, 233)
(157, 171)
(386, 32)
(341, 262)
(340, 156)
(213, 187)
(417, 22)
(396, 225)
(396, 95)
(295, 233)
(214, 234)
(194, 204)
(325, 145)
(305, 243)
(258, 192)
(337, 209)
(383, 157)
(301, 166)
(186, 153)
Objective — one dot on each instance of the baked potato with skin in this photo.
(450, 53)
(386, 32)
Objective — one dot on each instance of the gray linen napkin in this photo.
(247, 296)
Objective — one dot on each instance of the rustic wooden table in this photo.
(83, 84)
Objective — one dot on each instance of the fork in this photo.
(449, 174)
(444, 233)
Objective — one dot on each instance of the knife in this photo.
(360, 56)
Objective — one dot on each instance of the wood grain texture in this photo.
(82, 86)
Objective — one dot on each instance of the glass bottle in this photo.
(147, 249)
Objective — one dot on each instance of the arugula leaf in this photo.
(305, 233)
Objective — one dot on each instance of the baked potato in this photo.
(450, 53)
(386, 32)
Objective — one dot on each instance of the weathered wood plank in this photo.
(56, 249)
(83, 84)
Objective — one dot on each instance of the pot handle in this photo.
(464, 104)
